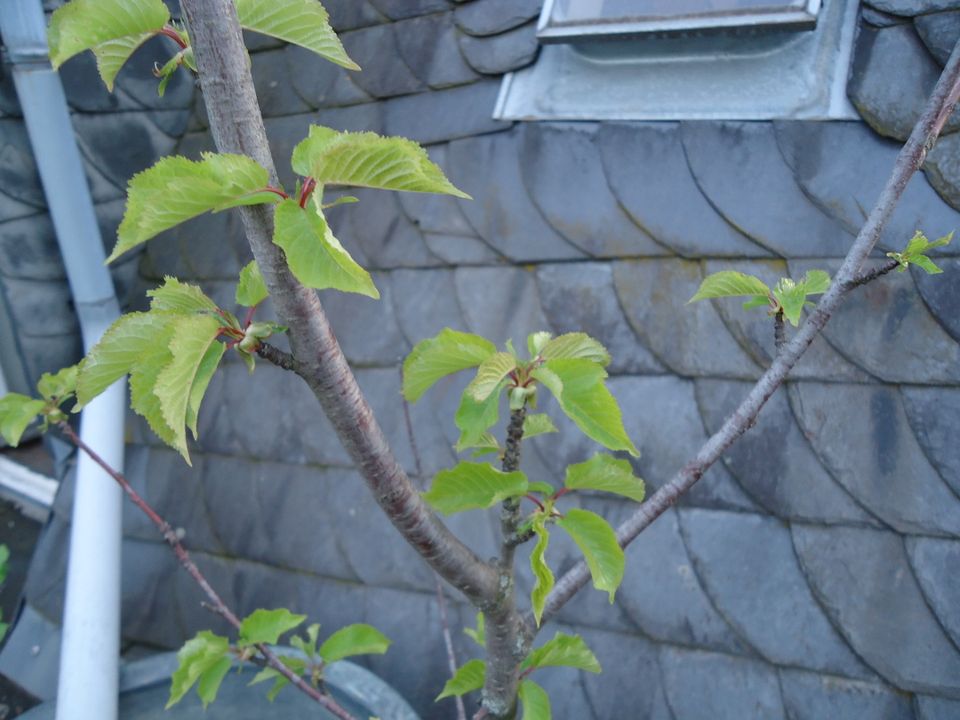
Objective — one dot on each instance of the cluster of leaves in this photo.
(915, 253)
(205, 659)
(571, 367)
(787, 297)
(114, 29)
(562, 651)
(17, 411)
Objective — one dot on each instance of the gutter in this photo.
(88, 679)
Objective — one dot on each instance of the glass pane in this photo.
(578, 11)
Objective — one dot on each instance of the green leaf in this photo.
(315, 256)
(598, 543)
(578, 386)
(266, 626)
(58, 385)
(541, 487)
(575, 345)
(475, 418)
(536, 703)
(208, 366)
(927, 265)
(491, 371)
(479, 636)
(182, 298)
(606, 473)
(816, 282)
(210, 680)
(757, 301)
(300, 22)
(541, 570)
(729, 283)
(358, 639)
(485, 445)
(193, 336)
(536, 341)
(251, 290)
(121, 347)
(4, 563)
(563, 651)
(539, 424)
(143, 379)
(369, 160)
(449, 352)
(469, 677)
(112, 29)
(200, 654)
(309, 646)
(470, 486)
(176, 189)
(16, 413)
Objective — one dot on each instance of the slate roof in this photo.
(812, 574)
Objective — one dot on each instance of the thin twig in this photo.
(277, 356)
(216, 604)
(864, 277)
(911, 157)
(779, 332)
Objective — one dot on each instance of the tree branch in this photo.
(237, 127)
(779, 332)
(278, 357)
(216, 604)
(911, 157)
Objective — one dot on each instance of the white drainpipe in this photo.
(90, 649)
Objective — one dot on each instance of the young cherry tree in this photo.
(172, 351)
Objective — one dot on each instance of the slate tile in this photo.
(691, 340)
(663, 595)
(274, 84)
(29, 250)
(939, 32)
(49, 353)
(319, 82)
(399, 9)
(440, 214)
(863, 580)
(502, 212)
(943, 171)
(753, 329)
(912, 7)
(425, 302)
(367, 47)
(500, 303)
(99, 136)
(743, 174)
(428, 45)
(351, 14)
(19, 176)
(628, 685)
(377, 233)
(646, 170)
(808, 696)
(892, 108)
(843, 167)
(9, 103)
(886, 329)
(941, 298)
(747, 565)
(148, 576)
(461, 250)
(499, 54)
(491, 17)
(229, 419)
(660, 414)
(934, 414)
(934, 563)
(176, 491)
(136, 78)
(585, 211)
(880, 19)
(934, 708)
(257, 42)
(459, 112)
(736, 687)
(40, 308)
(862, 435)
(43, 589)
(579, 297)
(773, 462)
